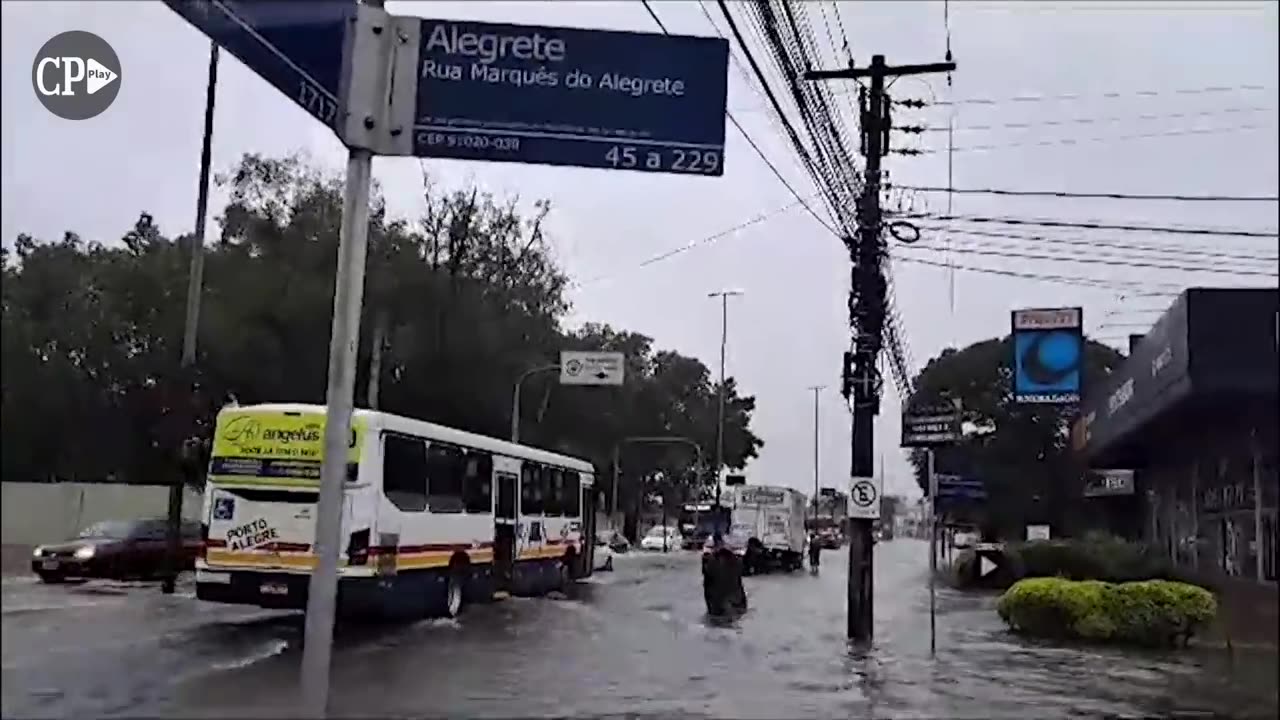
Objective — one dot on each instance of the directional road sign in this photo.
(568, 96)
(864, 498)
(930, 428)
(592, 368)
(961, 487)
(296, 46)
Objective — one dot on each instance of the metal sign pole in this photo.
(933, 552)
(339, 396)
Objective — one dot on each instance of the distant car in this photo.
(830, 539)
(603, 554)
(615, 540)
(660, 538)
(116, 549)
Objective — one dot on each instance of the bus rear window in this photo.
(259, 495)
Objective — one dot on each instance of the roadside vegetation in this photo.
(1153, 613)
(1096, 556)
(465, 298)
(1022, 453)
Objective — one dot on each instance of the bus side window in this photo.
(531, 490)
(553, 500)
(478, 484)
(445, 470)
(572, 494)
(404, 472)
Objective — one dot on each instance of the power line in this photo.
(752, 142)
(1090, 195)
(1098, 261)
(1114, 94)
(828, 151)
(1118, 325)
(1068, 122)
(1189, 253)
(1077, 141)
(1211, 232)
(699, 242)
(1076, 280)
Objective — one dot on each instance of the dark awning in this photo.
(1213, 348)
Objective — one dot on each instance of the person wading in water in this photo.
(815, 552)
(722, 579)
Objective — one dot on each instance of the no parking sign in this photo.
(864, 499)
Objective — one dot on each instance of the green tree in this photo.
(466, 298)
(1022, 452)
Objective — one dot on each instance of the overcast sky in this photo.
(1135, 68)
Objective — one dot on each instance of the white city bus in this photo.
(432, 517)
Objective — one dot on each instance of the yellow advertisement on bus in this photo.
(275, 447)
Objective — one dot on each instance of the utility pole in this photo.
(868, 307)
(724, 296)
(195, 285)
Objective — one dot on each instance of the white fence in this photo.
(36, 513)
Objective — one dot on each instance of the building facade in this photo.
(1193, 412)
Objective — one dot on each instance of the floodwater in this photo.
(634, 642)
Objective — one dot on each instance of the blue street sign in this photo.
(296, 46)
(566, 96)
(959, 481)
(1048, 354)
(958, 488)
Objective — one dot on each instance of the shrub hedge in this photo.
(1095, 557)
(1156, 613)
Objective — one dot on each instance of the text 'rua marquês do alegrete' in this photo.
(483, 50)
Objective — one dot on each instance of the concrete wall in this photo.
(35, 513)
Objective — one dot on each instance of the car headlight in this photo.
(38, 552)
(84, 553)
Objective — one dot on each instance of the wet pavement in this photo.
(633, 642)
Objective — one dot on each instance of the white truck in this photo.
(767, 527)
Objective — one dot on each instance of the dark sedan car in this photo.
(117, 549)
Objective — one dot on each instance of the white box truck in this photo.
(767, 526)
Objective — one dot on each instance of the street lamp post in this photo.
(658, 439)
(816, 389)
(724, 296)
(515, 398)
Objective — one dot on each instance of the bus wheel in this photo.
(453, 593)
(456, 585)
(565, 577)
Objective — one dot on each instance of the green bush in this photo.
(1149, 612)
(1096, 557)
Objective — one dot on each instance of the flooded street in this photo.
(632, 642)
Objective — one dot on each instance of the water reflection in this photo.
(638, 641)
